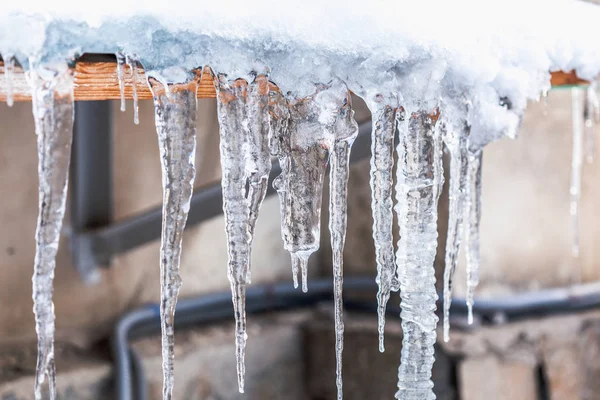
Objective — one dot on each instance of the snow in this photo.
(485, 47)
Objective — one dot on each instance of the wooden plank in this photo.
(97, 80)
(560, 78)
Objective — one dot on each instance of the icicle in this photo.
(545, 102)
(280, 145)
(175, 118)
(457, 142)
(576, 166)
(385, 121)
(306, 132)
(473, 215)
(121, 59)
(592, 108)
(52, 99)
(302, 147)
(9, 70)
(419, 185)
(246, 163)
(132, 63)
(258, 162)
(344, 131)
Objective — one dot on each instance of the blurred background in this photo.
(526, 248)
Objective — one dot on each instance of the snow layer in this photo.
(492, 50)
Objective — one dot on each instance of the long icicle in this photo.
(52, 99)
(385, 118)
(175, 116)
(473, 215)
(576, 166)
(418, 188)
(345, 132)
(246, 163)
(457, 142)
(258, 162)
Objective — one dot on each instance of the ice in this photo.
(132, 62)
(385, 124)
(307, 133)
(175, 117)
(419, 175)
(473, 214)
(591, 115)
(9, 69)
(243, 110)
(576, 166)
(344, 132)
(121, 60)
(456, 137)
(52, 95)
(302, 144)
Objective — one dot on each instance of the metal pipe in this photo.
(99, 245)
(270, 297)
(91, 195)
(211, 307)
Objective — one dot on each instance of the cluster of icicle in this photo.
(306, 135)
(258, 122)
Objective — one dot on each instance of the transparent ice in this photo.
(121, 60)
(591, 117)
(302, 143)
(9, 70)
(133, 63)
(243, 110)
(345, 130)
(385, 124)
(419, 174)
(576, 166)
(52, 99)
(473, 215)
(175, 117)
(456, 138)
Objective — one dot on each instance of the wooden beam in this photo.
(560, 78)
(97, 80)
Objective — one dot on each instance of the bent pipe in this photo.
(270, 297)
(213, 307)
